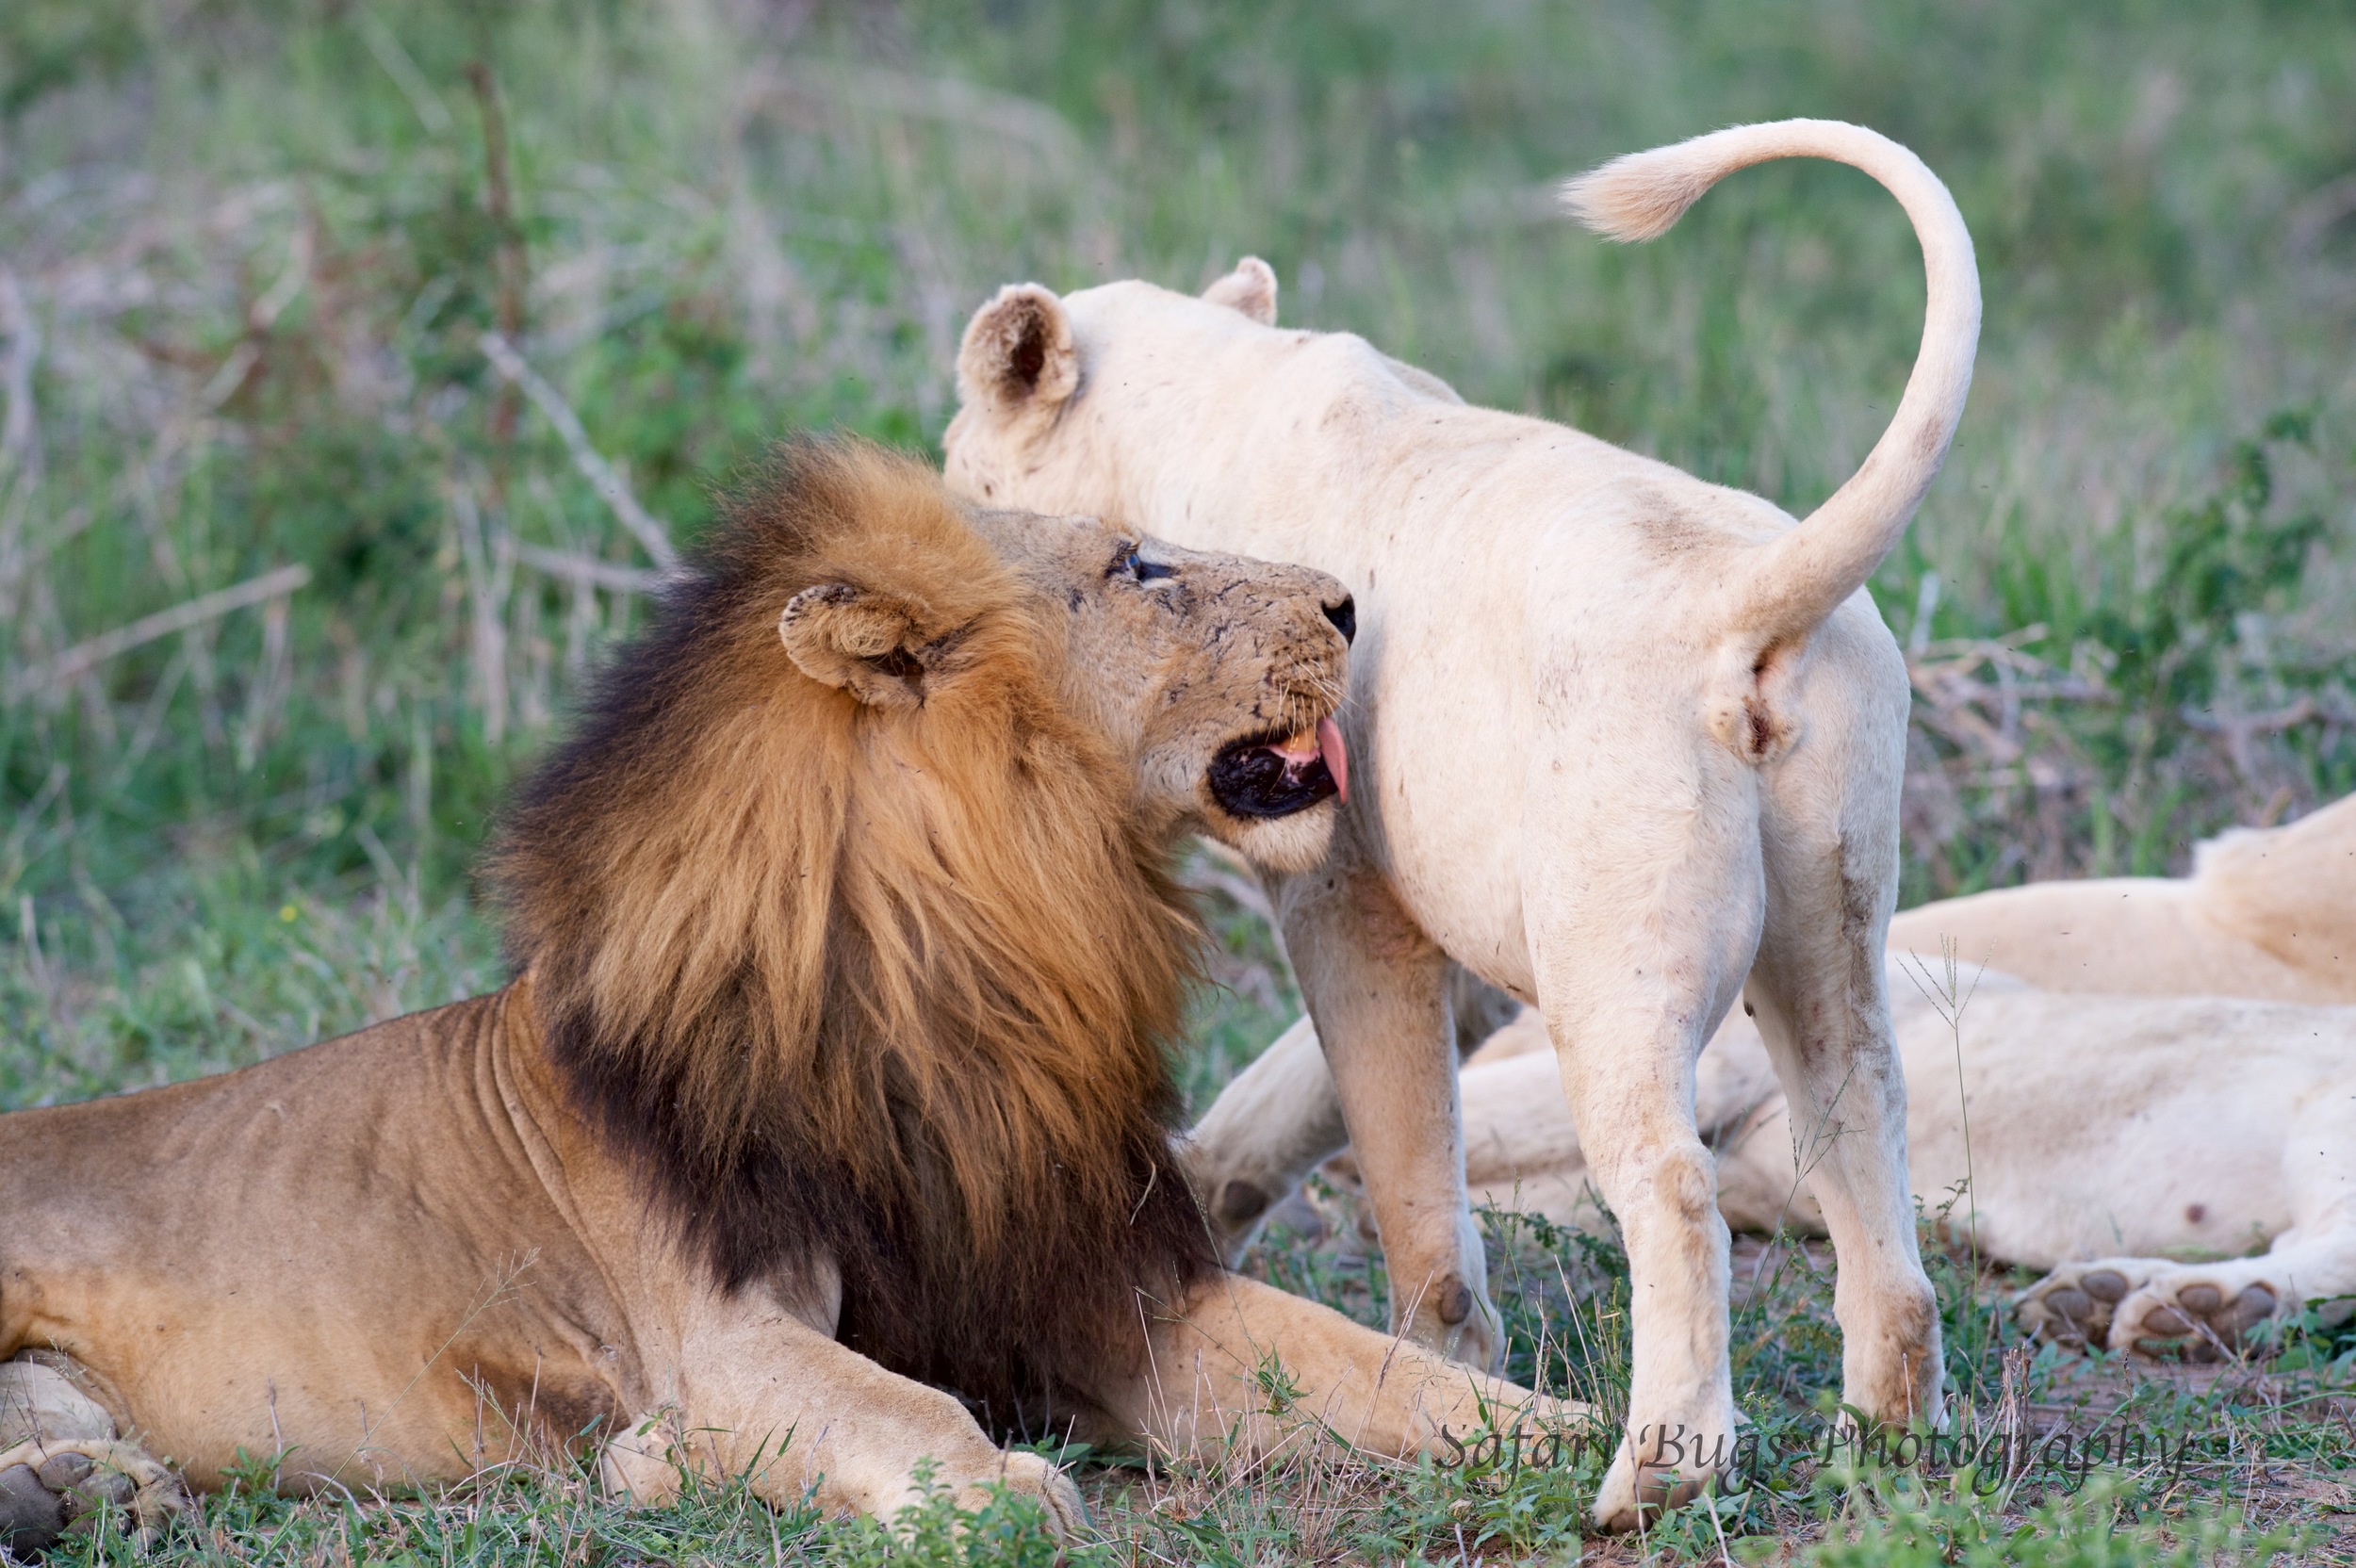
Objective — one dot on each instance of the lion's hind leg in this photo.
(61, 1465)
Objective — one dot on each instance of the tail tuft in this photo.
(1802, 575)
(1640, 196)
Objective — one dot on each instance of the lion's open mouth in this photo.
(1275, 775)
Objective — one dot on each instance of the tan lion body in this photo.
(833, 1080)
(313, 1230)
(398, 1257)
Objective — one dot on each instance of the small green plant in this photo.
(2177, 634)
(2319, 1338)
(2173, 681)
(1564, 1293)
(1949, 993)
(1904, 1520)
(1009, 1530)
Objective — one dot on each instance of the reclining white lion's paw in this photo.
(2208, 1308)
(2073, 1304)
(2148, 1305)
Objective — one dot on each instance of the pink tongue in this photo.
(1336, 759)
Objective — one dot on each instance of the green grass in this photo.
(248, 249)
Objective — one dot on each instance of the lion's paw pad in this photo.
(2107, 1286)
(32, 1517)
(2154, 1307)
(50, 1490)
(2072, 1306)
(2213, 1318)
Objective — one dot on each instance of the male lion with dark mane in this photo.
(831, 1078)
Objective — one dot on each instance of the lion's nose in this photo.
(1345, 617)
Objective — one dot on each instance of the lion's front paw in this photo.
(1034, 1477)
(50, 1490)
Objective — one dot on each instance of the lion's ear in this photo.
(1017, 357)
(1249, 288)
(867, 644)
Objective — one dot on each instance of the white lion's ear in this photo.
(1017, 357)
(1249, 288)
(866, 643)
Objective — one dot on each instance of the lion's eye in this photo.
(1144, 570)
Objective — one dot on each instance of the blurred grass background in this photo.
(250, 251)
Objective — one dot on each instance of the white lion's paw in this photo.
(51, 1490)
(2206, 1310)
(2073, 1304)
(2150, 1306)
(1632, 1491)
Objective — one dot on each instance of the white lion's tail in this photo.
(1801, 576)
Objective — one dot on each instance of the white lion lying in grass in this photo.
(2123, 1125)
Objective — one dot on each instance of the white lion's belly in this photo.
(2101, 1126)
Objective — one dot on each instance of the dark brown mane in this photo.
(887, 987)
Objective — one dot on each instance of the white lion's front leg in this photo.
(1629, 1095)
(1378, 989)
(1273, 1123)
